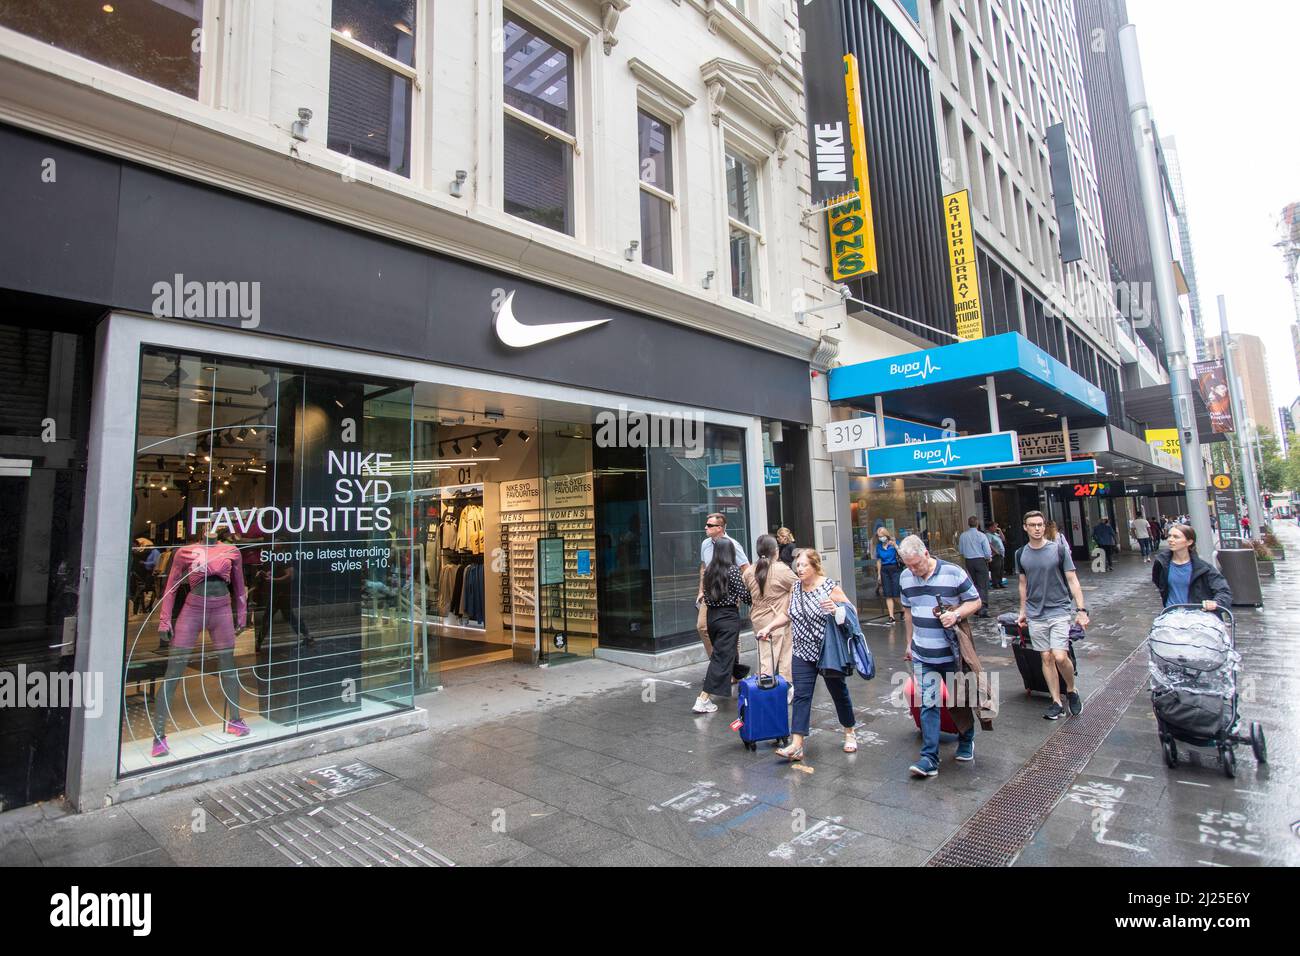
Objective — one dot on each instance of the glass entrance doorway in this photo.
(502, 530)
(44, 413)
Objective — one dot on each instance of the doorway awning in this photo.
(1034, 390)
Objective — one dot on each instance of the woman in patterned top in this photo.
(814, 599)
(724, 590)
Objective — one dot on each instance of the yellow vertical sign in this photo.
(851, 225)
(961, 257)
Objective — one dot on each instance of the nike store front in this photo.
(322, 469)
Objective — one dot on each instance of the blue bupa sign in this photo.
(898, 431)
(772, 476)
(944, 454)
(1059, 469)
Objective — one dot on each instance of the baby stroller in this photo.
(1194, 664)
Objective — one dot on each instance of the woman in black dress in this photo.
(724, 591)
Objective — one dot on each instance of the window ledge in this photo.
(724, 18)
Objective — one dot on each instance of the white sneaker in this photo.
(789, 694)
(705, 707)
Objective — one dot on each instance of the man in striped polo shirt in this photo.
(926, 583)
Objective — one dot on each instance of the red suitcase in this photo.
(946, 724)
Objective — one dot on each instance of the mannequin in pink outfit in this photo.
(213, 572)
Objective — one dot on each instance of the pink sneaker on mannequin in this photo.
(160, 748)
(237, 728)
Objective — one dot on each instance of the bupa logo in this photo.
(921, 370)
(1039, 472)
(930, 456)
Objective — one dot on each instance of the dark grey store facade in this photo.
(298, 356)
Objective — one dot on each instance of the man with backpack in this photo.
(1048, 582)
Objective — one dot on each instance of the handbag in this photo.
(863, 661)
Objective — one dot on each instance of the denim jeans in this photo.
(928, 678)
(805, 682)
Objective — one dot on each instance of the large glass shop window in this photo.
(270, 572)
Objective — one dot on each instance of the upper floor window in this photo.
(158, 41)
(743, 226)
(372, 79)
(539, 126)
(655, 142)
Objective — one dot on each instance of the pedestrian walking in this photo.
(1104, 535)
(1048, 582)
(888, 568)
(785, 540)
(724, 592)
(1183, 578)
(975, 548)
(997, 567)
(715, 527)
(1141, 530)
(770, 582)
(814, 600)
(928, 582)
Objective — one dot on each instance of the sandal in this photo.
(850, 743)
(791, 753)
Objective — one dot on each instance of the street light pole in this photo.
(1162, 258)
(1248, 477)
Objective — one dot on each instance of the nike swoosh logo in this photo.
(515, 334)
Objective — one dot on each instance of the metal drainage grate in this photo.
(253, 800)
(999, 829)
(347, 835)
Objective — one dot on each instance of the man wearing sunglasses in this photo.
(715, 526)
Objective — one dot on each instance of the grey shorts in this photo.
(1052, 633)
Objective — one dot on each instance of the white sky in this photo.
(1221, 80)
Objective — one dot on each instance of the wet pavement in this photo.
(1129, 809)
(605, 765)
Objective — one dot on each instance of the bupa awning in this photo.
(1034, 391)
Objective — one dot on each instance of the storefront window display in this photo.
(926, 507)
(270, 581)
(685, 486)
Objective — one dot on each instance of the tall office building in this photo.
(1250, 362)
(1013, 124)
(1170, 149)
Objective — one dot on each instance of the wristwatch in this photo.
(1082, 610)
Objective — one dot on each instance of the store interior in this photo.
(491, 474)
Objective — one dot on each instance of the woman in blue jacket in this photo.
(1183, 578)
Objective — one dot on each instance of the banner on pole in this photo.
(1213, 383)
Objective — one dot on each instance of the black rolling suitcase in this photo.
(1030, 661)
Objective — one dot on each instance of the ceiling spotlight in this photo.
(161, 463)
(524, 436)
(1024, 402)
(501, 437)
(455, 446)
(1007, 396)
(478, 443)
(442, 452)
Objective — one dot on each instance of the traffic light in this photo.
(1268, 500)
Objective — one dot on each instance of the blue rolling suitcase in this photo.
(763, 708)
